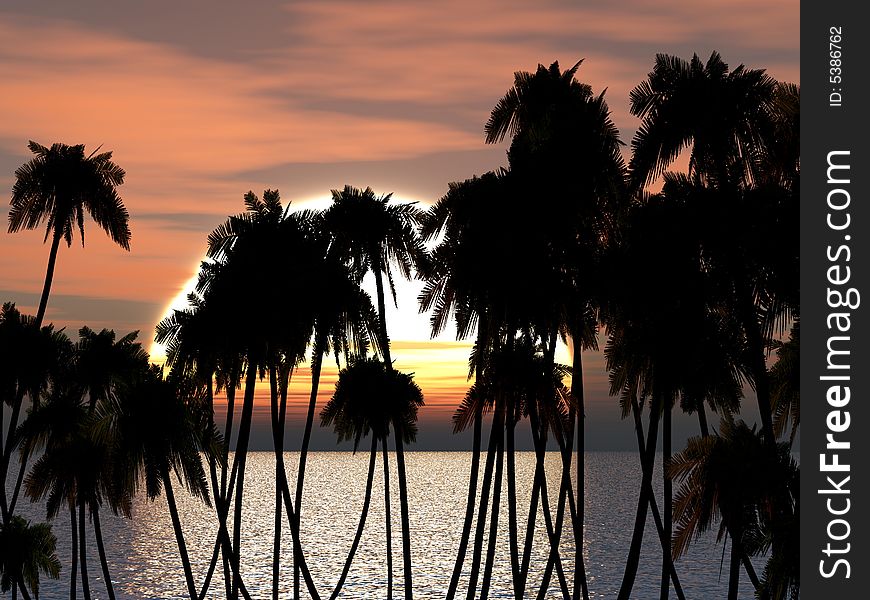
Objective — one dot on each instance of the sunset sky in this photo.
(201, 101)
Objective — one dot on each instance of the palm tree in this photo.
(57, 187)
(565, 149)
(72, 470)
(31, 359)
(716, 486)
(158, 430)
(740, 126)
(26, 551)
(371, 398)
(372, 234)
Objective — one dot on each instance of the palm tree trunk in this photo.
(512, 508)
(469, 504)
(242, 454)
(6, 451)
(101, 550)
(24, 594)
(664, 541)
(278, 442)
(747, 564)
(22, 468)
(74, 538)
(362, 520)
(226, 553)
(382, 315)
(578, 523)
(496, 504)
(668, 491)
(83, 555)
(477, 554)
(734, 571)
(179, 533)
(647, 462)
(49, 275)
(403, 507)
(316, 364)
(388, 520)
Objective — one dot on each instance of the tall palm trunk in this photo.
(101, 550)
(241, 457)
(512, 506)
(664, 541)
(49, 276)
(316, 365)
(578, 522)
(403, 507)
(83, 555)
(496, 504)
(734, 570)
(362, 520)
(477, 554)
(74, 539)
(278, 442)
(6, 452)
(469, 504)
(647, 463)
(382, 314)
(388, 520)
(179, 532)
(667, 487)
(224, 500)
(530, 522)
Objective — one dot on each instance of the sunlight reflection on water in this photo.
(144, 561)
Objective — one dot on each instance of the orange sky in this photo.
(205, 101)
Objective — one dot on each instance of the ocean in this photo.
(144, 561)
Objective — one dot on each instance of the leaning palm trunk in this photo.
(496, 503)
(477, 554)
(179, 532)
(362, 520)
(578, 521)
(101, 550)
(664, 541)
(316, 364)
(647, 463)
(388, 520)
(278, 442)
(403, 508)
(49, 275)
(668, 490)
(74, 538)
(83, 556)
(734, 571)
(241, 457)
(512, 507)
(554, 532)
(469, 505)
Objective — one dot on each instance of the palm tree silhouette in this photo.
(735, 122)
(158, 430)
(371, 398)
(252, 247)
(717, 486)
(372, 234)
(57, 187)
(26, 551)
(31, 358)
(557, 126)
